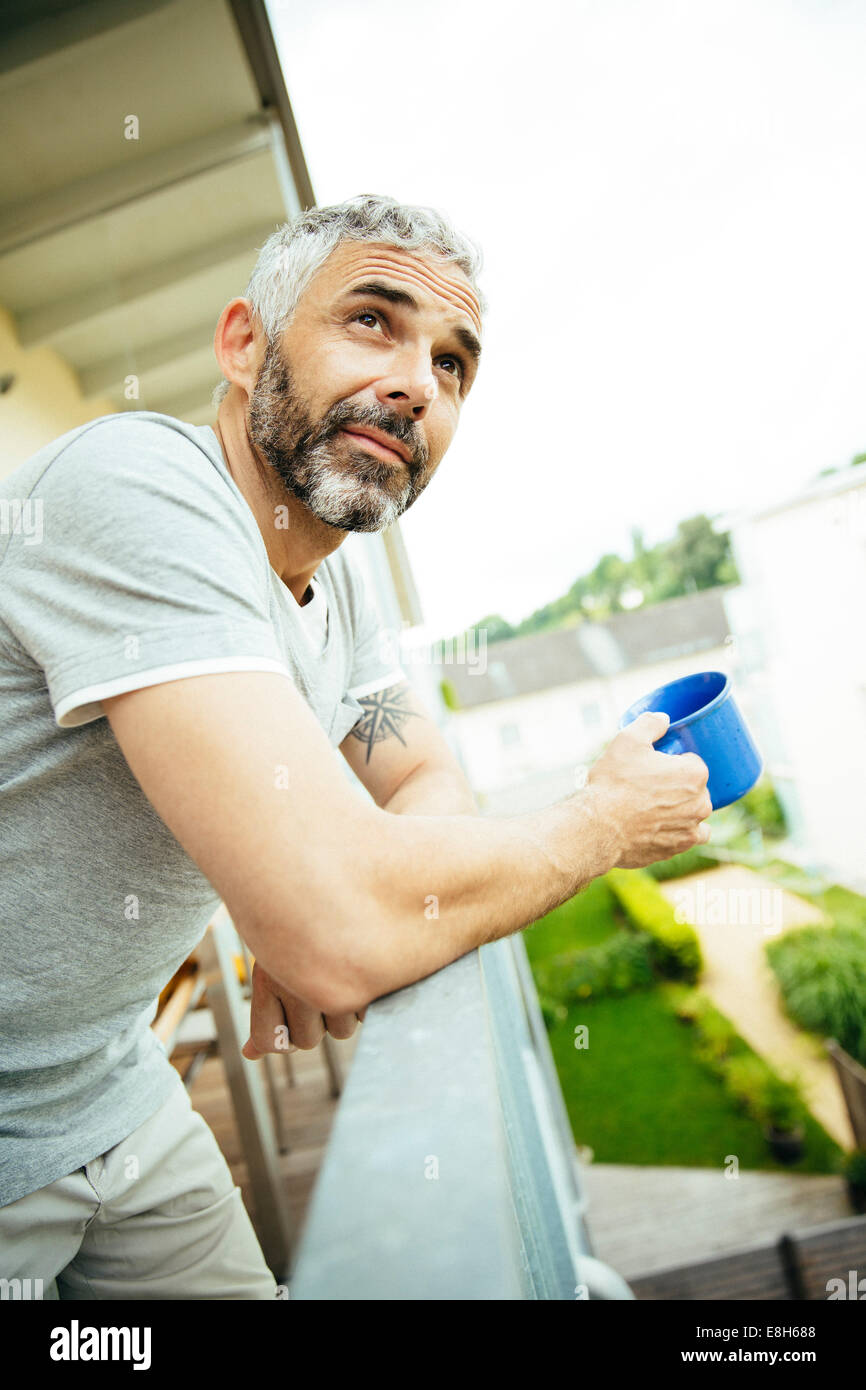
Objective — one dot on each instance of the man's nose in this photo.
(410, 385)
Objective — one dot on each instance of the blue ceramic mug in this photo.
(705, 720)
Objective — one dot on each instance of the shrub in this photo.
(822, 975)
(766, 1096)
(779, 1103)
(690, 1005)
(717, 1036)
(676, 949)
(689, 862)
(764, 807)
(745, 1076)
(616, 966)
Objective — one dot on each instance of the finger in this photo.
(697, 764)
(306, 1024)
(341, 1025)
(649, 727)
(267, 1023)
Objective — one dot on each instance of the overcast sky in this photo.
(671, 200)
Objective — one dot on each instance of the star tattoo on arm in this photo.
(385, 712)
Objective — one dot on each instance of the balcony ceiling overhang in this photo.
(120, 253)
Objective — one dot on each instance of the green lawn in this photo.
(637, 1094)
(585, 920)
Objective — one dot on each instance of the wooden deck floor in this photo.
(308, 1108)
(644, 1219)
(641, 1219)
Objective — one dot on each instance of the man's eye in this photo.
(368, 314)
(458, 368)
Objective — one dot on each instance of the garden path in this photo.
(735, 912)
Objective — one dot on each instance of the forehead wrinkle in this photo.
(464, 298)
(463, 295)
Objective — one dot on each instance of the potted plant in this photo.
(855, 1176)
(782, 1112)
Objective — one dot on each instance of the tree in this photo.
(696, 557)
(497, 627)
(701, 556)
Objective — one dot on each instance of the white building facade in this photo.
(800, 659)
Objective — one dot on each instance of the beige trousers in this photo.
(156, 1217)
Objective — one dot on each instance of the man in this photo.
(179, 657)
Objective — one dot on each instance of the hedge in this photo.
(767, 1097)
(622, 963)
(822, 976)
(747, 1077)
(676, 949)
(763, 806)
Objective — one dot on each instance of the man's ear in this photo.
(238, 344)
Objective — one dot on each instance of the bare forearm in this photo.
(434, 791)
(434, 887)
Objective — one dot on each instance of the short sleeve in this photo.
(376, 659)
(150, 567)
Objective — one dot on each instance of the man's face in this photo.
(356, 359)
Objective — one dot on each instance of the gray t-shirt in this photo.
(128, 557)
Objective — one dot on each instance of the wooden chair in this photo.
(852, 1082)
(181, 994)
(220, 972)
(757, 1274)
(795, 1267)
(834, 1251)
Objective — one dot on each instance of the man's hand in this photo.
(652, 803)
(274, 1010)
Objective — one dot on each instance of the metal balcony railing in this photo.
(451, 1171)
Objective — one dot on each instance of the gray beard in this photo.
(363, 494)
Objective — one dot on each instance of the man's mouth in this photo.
(376, 445)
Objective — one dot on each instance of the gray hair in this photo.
(293, 254)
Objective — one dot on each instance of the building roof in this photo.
(587, 651)
(843, 480)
